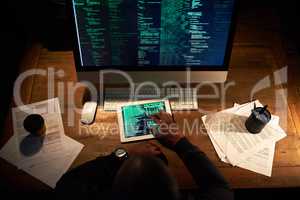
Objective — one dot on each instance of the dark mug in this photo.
(258, 119)
(35, 125)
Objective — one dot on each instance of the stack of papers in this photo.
(236, 146)
(47, 159)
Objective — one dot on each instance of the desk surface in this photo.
(253, 57)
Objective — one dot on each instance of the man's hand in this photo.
(168, 133)
(144, 149)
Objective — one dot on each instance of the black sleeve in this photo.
(211, 183)
(90, 180)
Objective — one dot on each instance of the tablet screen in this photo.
(137, 121)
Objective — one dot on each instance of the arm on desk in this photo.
(212, 184)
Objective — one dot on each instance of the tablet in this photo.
(134, 119)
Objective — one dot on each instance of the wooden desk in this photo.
(254, 57)
(248, 65)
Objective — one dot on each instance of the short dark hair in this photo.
(144, 177)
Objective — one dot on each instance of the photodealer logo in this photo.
(71, 103)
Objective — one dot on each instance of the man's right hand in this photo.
(168, 133)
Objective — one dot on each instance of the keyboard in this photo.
(179, 98)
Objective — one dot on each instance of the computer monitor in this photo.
(153, 40)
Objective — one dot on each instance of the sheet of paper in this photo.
(48, 172)
(9, 152)
(260, 162)
(270, 134)
(216, 131)
(218, 149)
(33, 150)
(51, 171)
(55, 155)
(260, 159)
(238, 142)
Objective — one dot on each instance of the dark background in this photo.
(48, 22)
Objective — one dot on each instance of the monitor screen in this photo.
(152, 33)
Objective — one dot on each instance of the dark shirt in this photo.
(95, 178)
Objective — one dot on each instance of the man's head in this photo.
(144, 177)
